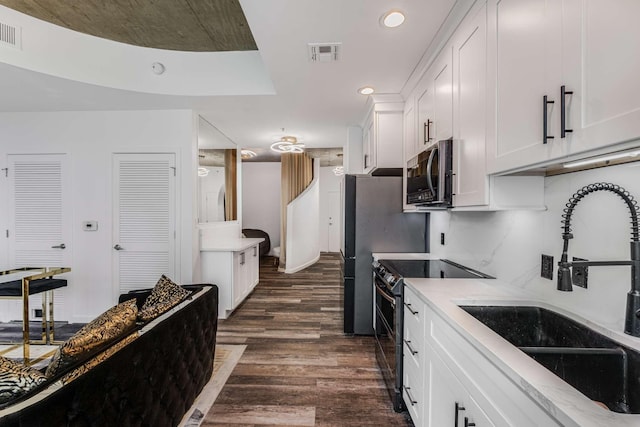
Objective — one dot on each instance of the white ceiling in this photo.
(314, 101)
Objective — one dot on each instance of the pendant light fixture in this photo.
(247, 154)
(288, 144)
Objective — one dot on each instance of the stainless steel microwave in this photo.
(430, 176)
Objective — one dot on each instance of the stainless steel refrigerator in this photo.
(373, 222)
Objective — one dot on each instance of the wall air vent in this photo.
(10, 35)
(324, 52)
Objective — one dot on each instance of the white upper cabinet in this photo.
(443, 95)
(410, 134)
(524, 61)
(456, 98)
(382, 135)
(471, 183)
(435, 102)
(601, 66)
(535, 48)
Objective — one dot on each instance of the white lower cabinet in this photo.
(451, 404)
(413, 386)
(448, 382)
(235, 272)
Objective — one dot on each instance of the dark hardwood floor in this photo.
(299, 368)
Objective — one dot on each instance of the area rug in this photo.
(226, 358)
(39, 354)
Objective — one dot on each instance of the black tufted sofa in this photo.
(152, 381)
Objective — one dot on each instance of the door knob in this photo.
(118, 247)
(60, 246)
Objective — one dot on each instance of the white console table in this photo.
(233, 265)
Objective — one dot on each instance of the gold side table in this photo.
(42, 280)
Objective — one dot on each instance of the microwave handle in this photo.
(429, 165)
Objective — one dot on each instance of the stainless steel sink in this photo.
(597, 366)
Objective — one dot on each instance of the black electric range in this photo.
(389, 314)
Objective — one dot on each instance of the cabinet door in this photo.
(443, 95)
(387, 135)
(368, 152)
(409, 134)
(450, 402)
(600, 44)
(239, 277)
(469, 63)
(426, 117)
(254, 266)
(524, 60)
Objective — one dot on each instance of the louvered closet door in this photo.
(144, 219)
(40, 218)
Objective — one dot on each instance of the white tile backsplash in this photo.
(509, 244)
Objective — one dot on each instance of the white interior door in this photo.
(144, 220)
(40, 209)
(334, 221)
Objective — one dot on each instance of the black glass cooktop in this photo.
(430, 268)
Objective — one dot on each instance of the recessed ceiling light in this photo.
(393, 18)
(366, 90)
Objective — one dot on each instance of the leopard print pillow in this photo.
(17, 379)
(164, 295)
(94, 336)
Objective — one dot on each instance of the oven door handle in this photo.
(385, 296)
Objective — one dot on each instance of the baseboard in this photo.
(303, 266)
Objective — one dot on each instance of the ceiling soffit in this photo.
(184, 25)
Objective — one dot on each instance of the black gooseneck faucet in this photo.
(632, 316)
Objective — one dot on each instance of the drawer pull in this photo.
(408, 343)
(411, 399)
(408, 305)
(459, 408)
(467, 423)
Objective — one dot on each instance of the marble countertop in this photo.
(561, 400)
(229, 244)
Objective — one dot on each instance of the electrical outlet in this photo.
(442, 238)
(580, 274)
(546, 271)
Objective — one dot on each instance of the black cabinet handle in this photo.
(408, 343)
(427, 131)
(366, 161)
(411, 399)
(563, 111)
(408, 305)
(545, 134)
(459, 408)
(467, 423)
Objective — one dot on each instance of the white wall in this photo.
(303, 231)
(329, 182)
(90, 139)
(509, 244)
(261, 198)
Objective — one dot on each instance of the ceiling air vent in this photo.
(324, 52)
(9, 35)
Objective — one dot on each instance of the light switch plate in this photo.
(90, 225)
